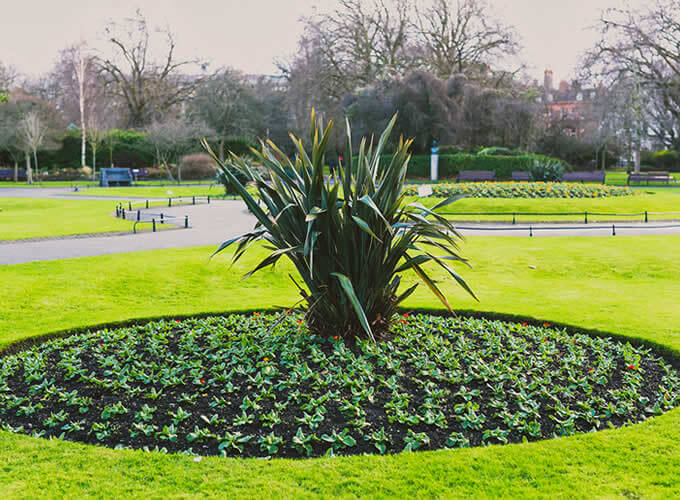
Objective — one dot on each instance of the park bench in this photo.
(519, 176)
(140, 173)
(7, 174)
(115, 177)
(649, 176)
(476, 175)
(594, 176)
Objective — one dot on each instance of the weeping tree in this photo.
(350, 237)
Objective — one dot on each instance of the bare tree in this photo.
(149, 86)
(459, 36)
(173, 138)
(8, 77)
(642, 45)
(81, 63)
(10, 134)
(95, 137)
(226, 104)
(33, 130)
(363, 41)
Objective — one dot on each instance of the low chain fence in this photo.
(645, 216)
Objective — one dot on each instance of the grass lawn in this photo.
(146, 192)
(22, 184)
(626, 285)
(658, 200)
(39, 217)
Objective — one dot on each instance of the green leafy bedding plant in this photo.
(348, 236)
(525, 190)
(263, 385)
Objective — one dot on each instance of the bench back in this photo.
(476, 175)
(117, 176)
(520, 175)
(8, 174)
(595, 176)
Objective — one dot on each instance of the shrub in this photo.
(224, 179)
(348, 240)
(197, 166)
(498, 151)
(547, 171)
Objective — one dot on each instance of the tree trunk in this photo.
(94, 164)
(167, 169)
(16, 171)
(220, 150)
(29, 172)
(35, 163)
(604, 158)
(636, 154)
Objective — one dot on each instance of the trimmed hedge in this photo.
(451, 165)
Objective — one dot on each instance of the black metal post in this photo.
(513, 218)
(117, 211)
(208, 199)
(147, 203)
(531, 231)
(139, 215)
(193, 200)
(646, 218)
(186, 222)
(169, 202)
(586, 217)
(613, 230)
(123, 212)
(130, 206)
(153, 224)
(162, 221)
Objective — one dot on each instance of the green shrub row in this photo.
(131, 150)
(451, 165)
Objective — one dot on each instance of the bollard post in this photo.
(193, 200)
(147, 203)
(169, 202)
(162, 221)
(646, 219)
(130, 206)
(117, 211)
(208, 199)
(139, 215)
(531, 231)
(513, 219)
(613, 230)
(186, 222)
(123, 213)
(586, 217)
(153, 224)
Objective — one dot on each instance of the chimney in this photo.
(547, 80)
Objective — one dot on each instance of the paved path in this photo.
(210, 225)
(222, 219)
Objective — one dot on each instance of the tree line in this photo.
(450, 68)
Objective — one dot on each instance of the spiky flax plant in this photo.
(349, 236)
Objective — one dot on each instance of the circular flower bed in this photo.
(261, 385)
(526, 190)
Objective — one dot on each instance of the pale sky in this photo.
(250, 34)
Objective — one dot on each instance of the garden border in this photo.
(672, 356)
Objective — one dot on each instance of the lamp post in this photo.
(434, 161)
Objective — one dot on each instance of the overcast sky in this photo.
(250, 34)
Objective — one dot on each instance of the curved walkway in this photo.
(223, 219)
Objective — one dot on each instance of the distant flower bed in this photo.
(526, 190)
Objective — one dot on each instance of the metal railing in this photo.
(515, 215)
(531, 229)
(139, 216)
